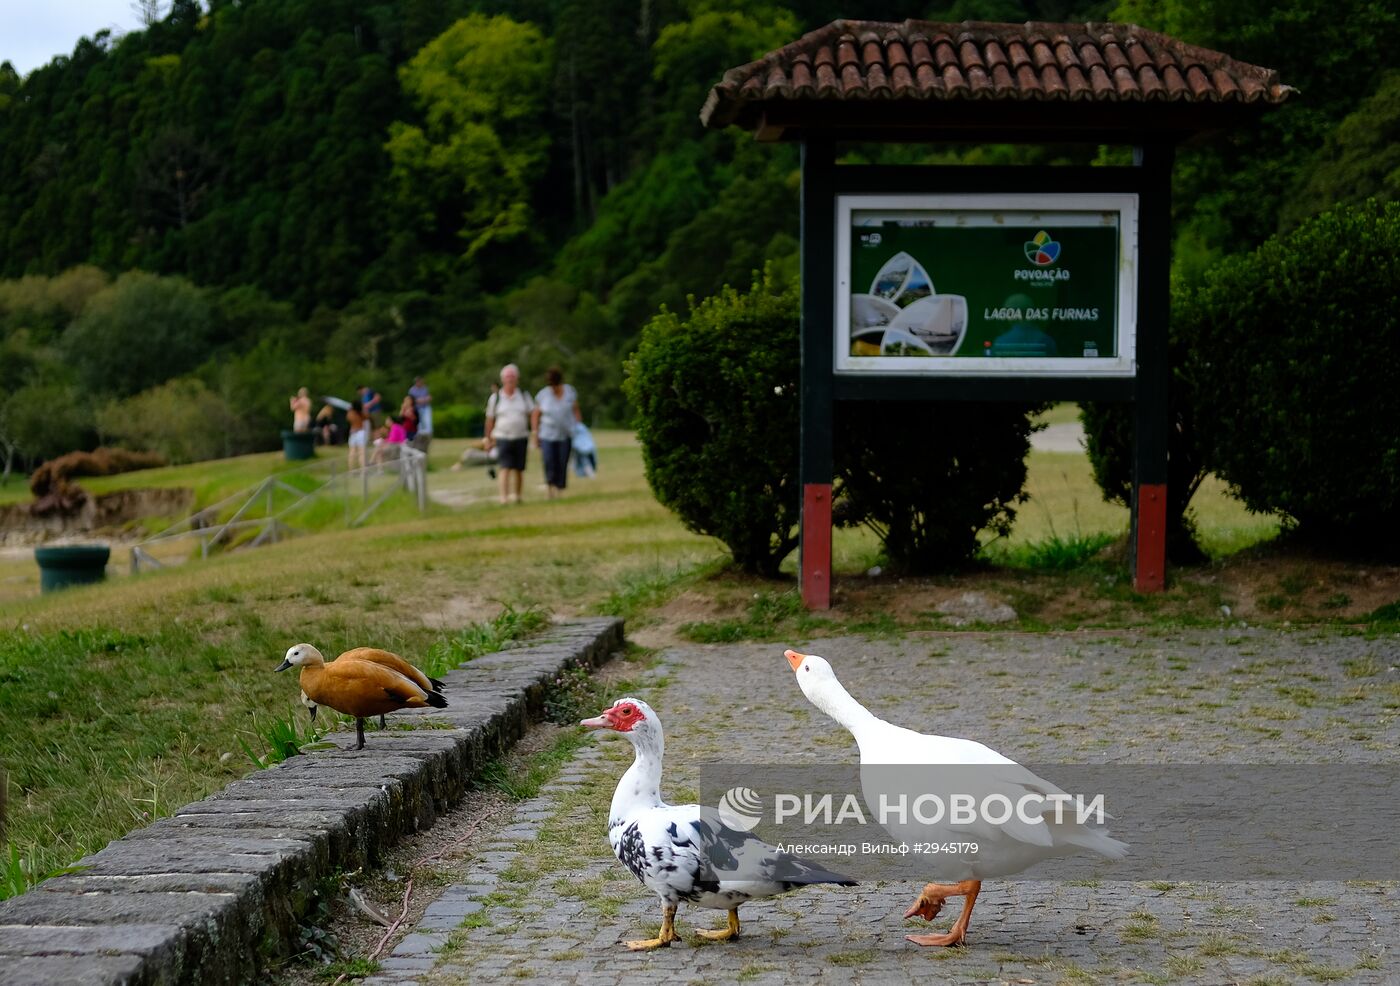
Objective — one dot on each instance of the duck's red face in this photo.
(622, 717)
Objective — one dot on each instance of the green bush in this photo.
(1292, 359)
(183, 420)
(1109, 437)
(717, 418)
(929, 476)
(458, 421)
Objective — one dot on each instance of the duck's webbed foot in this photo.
(930, 902)
(664, 938)
(724, 934)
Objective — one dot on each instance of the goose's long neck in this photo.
(640, 787)
(835, 701)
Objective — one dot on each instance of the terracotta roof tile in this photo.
(936, 62)
(1064, 52)
(1078, 86)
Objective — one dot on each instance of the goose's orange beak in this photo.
(795, 659)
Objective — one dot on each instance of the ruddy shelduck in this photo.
(363, 682)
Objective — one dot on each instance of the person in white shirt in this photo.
(509, 415)
(556, 413)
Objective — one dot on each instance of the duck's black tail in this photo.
(437, 685)
(436, 700)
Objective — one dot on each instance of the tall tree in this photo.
(464, 171)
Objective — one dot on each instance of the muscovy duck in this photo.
(685, 853)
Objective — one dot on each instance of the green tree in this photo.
(1229, 194)
(467, 168)
(1360, 160)
(181, 419)
(690, 56)
(138, 332)
(42, 420)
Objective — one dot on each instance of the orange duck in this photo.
(363, 682)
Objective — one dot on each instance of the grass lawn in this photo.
(125, 700)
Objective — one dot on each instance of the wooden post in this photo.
(816, 464)
(1151, 421)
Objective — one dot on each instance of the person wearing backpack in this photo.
(508, 419)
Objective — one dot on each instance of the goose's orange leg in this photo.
(930, 902)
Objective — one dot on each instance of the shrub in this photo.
(98, 462)
(1292, 359)
(929, 476)
(458, 421)
(183, 420)
(717, 418)
(54, 494)
(1109, 437)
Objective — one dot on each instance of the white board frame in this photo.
(1041, 208)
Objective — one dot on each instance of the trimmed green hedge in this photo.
(1284, 362)
(717, 418)
(716, 395)
(1293, 364)
(928, 477)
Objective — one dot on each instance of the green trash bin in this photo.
(297, 445)
(71, 564)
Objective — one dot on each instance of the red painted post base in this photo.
(1151, 573)
(815, 562)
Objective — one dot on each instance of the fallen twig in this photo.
(471, 829)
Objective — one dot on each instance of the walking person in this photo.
(556, 414)
(508, 418)
(358, 424)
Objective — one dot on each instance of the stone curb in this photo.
(213, 893)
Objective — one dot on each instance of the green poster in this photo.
(979, 283)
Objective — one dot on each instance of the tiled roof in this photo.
(868, 62)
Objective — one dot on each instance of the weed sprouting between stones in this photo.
(483, 638)
(20, 871)
(284, 737)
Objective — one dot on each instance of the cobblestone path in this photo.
(547, 902)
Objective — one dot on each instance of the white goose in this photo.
(1002, 847)
(684, 852)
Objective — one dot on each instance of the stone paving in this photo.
(546, 902)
